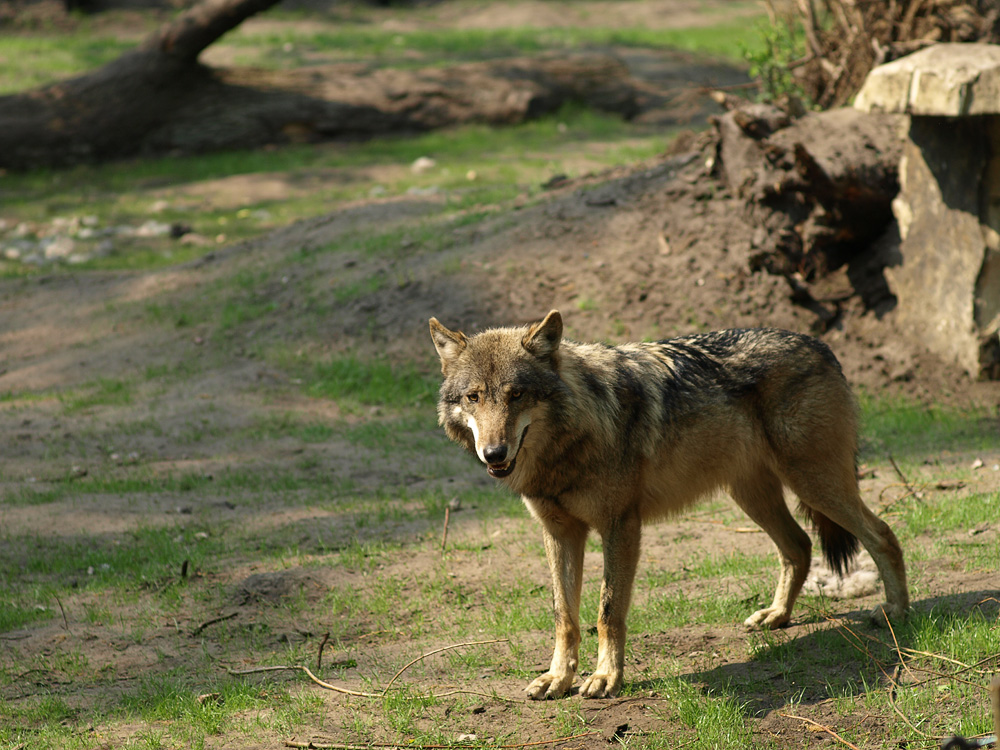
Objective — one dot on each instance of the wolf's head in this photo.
(495, 383)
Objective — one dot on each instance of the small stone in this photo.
(422, 165)
(58, 248)
(153, 228)
(194, 239)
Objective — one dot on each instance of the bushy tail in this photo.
(839, 545)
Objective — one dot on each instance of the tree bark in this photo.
(159, 99)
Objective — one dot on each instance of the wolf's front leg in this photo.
(621, 557)
(564, 539)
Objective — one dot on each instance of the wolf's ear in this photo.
(543, 338)
(449, 344)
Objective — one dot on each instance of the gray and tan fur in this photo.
(612, 437)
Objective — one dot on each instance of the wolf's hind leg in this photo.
(832, 491)
(565, 540)
(761, 497)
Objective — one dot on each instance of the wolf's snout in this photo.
(495, 454)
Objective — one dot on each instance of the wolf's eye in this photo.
(515, 394)
(473, 397)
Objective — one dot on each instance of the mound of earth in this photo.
(674, 246)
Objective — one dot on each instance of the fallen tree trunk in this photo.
(159, 99)
(111, 111)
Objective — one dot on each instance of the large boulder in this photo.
(947, 280)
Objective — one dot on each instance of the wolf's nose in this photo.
(495, 454)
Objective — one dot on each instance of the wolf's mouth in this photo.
(503, 470)
(500, 470)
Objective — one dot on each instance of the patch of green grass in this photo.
(945, 526)
(101, 392)
(139, 557)
(351, 381)
(230, 704)
(513, 607)
(391, 436)
(938, 652)
(679, 608)
(961, 635)
(947, 513)
(286, 48)
(707, 720)
(14, 615)
(40, 57)
(737, 563)
(47, 711)
(290, 424)
(905, 428)
(137, 481)
(30, 495)
(35, 60)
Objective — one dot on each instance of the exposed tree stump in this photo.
(819, 189)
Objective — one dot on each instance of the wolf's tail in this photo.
(839, 545)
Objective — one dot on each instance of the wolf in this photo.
(609, 438)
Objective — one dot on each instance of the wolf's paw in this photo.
(767, 619)
(549, 685)
(885, 613)
(601, 685)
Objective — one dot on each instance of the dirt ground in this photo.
(645, 251)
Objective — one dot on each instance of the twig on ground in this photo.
(319, 656)
(197, 630)
(899, 472)
(858, 642)
(346, 691)
(965, 667)
(438, 651)
(910, 492)
(309, 674)
(895, 641)
(894, 677)
(911, 489)
(65, 621)
(444, 535)
(894, 685)
(822, 728)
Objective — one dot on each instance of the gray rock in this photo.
(947, 280)
(952, 80)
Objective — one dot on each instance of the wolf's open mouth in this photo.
(500, 470)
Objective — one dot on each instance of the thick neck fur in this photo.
(579, 424)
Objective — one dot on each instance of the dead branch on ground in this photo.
(385, 690)
(845, 39)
